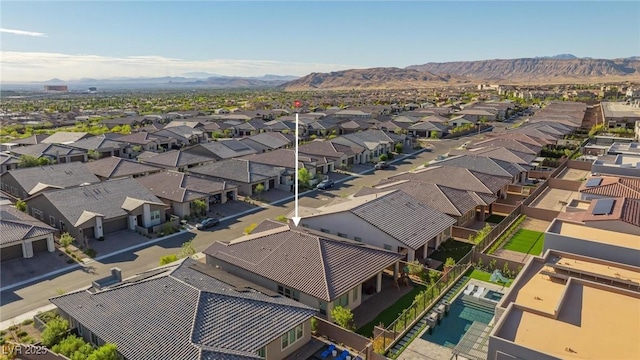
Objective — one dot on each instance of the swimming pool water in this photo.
(493, 295)
(456, 324)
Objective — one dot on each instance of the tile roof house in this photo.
(427, 129)
(8, 162)
(116, 167)
(501, 153)
(270, 141)
(286, 158)
(463, 205)
(97, 210)
(393, 221)
(65, 137)
(376, 142)
(487, 165)
(25, 182)
(211, 315)
(314, 269)
(338, 153)
(614, 214)
(184, 135)
(221, 149)
(245, 174)
(511, 144)
(54, 152)
(597, 187)
(103, 146)
(146, 141)
(22, 235)
(458, 178)
(180, 190)
(178, 160)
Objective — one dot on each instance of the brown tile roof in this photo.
(612, 186)
(506, 143)
(624, 209)
(180, 187)
(457, 178)
(112, 167)
(16, 225)
(321, 267)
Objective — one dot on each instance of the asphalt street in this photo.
(33, 296)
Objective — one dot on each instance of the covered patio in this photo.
(376, 302)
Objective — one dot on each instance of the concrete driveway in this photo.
(17, 270)
(32, 296)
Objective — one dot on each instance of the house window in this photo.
(262, 352)
(288, 292)
(343, 235)
(357, 238)
(388, 247)
(343, 300)
(291, 336)
(323, 307)
(94, 339)
(37, 214)
(355, 294)
(155, 215)
(52, 221)
(325, 231)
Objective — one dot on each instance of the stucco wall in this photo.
(274, 350)
(591, 249)
(497, 345)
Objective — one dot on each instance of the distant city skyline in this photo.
(106, 39)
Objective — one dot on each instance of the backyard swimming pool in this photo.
(493, 295)
(464, 311)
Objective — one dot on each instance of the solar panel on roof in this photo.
(594, 182)
(604, 206)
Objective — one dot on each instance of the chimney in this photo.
(116, 273)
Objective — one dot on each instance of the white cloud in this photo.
(39, 66)
(22, 32)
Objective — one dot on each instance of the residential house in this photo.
(26, 182)
(340, 155)
(476, 114)
(458, 178)
(178, 160)
(355, 125)
(268, 141)
(114, 168)
(597, 187)
(22, 236)
(247, 175)
(427, 129)
(180, 191)
(100, 147)
(501, 153)
(65, 137)
(8, 162)
(250, 127)
(352, 114)
(184, 135)
(510, 144)
(286, 158)
(392, 221)
(376, 142)
(463, 205)
(221, 149)
(488, 165)
(131, 121)
(98, 210)
(614, 214)
(621, 164)
(215, 315)
(31, 140)
(144, 141)
(54, 152)
(321, 271)
(461, 120)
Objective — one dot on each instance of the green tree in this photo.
(21, 205)
(43, 161)
(73, 347)
(450, 262)
(105, 352)
(125, 130)
(66, 239)
(434, 135)
(383, 157)
(259, 189)
(415, 268)
(200, 206)
(398, 148)
(168, 259)
(27, 161)
(186, 250)
(343, 317)
(304, 178)
(93, 154)
(54, 332)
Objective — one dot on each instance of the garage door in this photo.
(39, 246)
(11, 252)
(114, 225)
(89, 233)
(272, 183)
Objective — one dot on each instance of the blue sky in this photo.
(120, 38)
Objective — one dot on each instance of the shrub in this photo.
(105, 352)
(398, 148)
(250, 228)
(378, 345)
(492, 264)
(314, 324)
(66, 239)
(450, 262)
(26, 322)
(343, 317)
(13, 327)
(383, 157)
(73, 347)
(22, 333)
(259, 189)
(54, 332)
(90, 253)
(168, 259)
(415, 268)
(21, 205)
(282, 218)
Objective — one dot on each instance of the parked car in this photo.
(207, 223)
(325, 184)
(382, 165)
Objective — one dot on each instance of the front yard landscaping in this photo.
(451, 249)
(526, 242)
(391, 314)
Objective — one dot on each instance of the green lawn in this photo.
(526, 242)
(451, 248)
(391, 313)
(494, 219)
(484, 276)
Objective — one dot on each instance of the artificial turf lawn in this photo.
(451, 248)
(484, 276)
(526, 242)
(388, 315)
